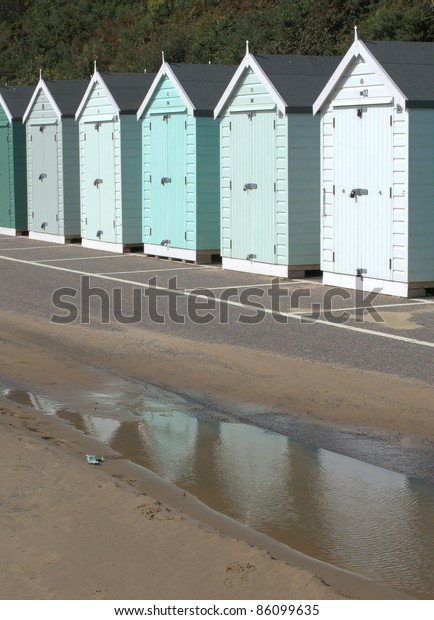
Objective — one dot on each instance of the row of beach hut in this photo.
(280, 165)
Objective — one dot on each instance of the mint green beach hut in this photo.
(13, 187)
(270, 164)
(110, 161)
(181, 185)
(52, 160)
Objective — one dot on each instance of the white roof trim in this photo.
(358, 48)
(42, 86)
(165, 71)
(343, 103)
(96, 79)
(5, 108)
(249, 62)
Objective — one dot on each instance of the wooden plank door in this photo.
(6, 215)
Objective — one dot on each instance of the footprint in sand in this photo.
(154, 511)
(238, 573)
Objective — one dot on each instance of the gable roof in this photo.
(200, 86)
(410, 65)
(407, 66)
(15, 100)
(125, 90)
(64, 96)
(293, 81)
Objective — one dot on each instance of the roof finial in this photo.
(40, 73)
(94, 66)
(247, 48)
(162, 56)
(356, 38)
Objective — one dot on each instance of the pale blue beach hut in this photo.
(110, 161)
(377, 165)
(52, 160)
(180, 141)
(13, 186)
(269, 158)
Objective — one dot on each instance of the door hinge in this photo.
(150, 126)
(274, 124)
(185, 180)
(230, 184)
(185, 236)
(55, 137)
(390, 263)
(333, 190)
(150, 231)
(113, 135)
(334, 123)
(333, 257)
(57, 217)
(274, 184)
(185, 124)
(390, 192)
(150, 178)
(230, 126)
(230, 244)
(86, 221)
(84, 137)
(390, 120)
(275, 248)
(114, 223)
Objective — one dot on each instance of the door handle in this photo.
(250, 186)
(42, 176)
(165, 180)
(358, 191)
(97, 182)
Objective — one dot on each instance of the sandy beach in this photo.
(72, 531)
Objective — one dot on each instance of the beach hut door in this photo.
(44, 179)
(363, 190)
(168, 179)
(253, 196)
(100, 181)
(6, 215)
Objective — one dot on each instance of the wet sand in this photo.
(70, 530)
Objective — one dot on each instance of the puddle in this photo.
(337, 509)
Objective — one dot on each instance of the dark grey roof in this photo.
(298, 79)
(17, 98)
(204, 84)
(67, 94)
(410, 65)
(128, 89)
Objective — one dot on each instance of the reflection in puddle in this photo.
(337, 509)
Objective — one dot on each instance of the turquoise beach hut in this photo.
(110, 161)
(52, 160)
(181, 186)
(13, 186)
(270, 164)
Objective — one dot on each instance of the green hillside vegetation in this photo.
(65, 36)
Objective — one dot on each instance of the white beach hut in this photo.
(377, 165)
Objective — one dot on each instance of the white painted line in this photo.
(107, 273)
(37, 247)
(344, 309)
(55, 260)
(228, 302)
(218, 288)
